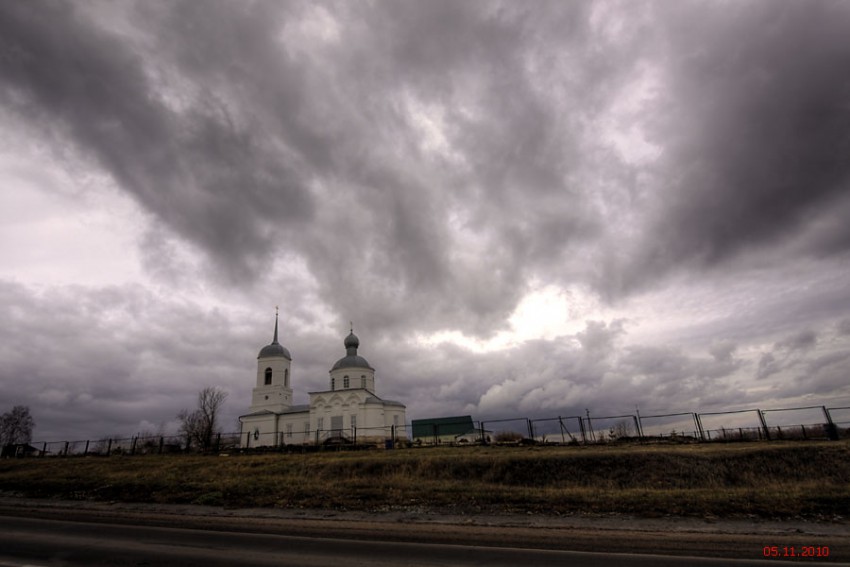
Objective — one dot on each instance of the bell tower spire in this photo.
(273, 392)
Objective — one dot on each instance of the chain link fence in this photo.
(799, 423)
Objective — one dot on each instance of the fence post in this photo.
(763, 424)
(481, 428)
(698, 423)
(109, 447)
(67, 443)
(831, 428)
(44, 449)
(133, 446)
(638, 427)
(590, 426)
(581, 428)
(638, 422)
(530, 429)
(86, 451)
(161, 443)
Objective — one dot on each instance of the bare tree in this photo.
(620, 430)
(201, 425)
(16, 426)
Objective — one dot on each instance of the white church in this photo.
(348, 411)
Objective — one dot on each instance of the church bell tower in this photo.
(273, 391)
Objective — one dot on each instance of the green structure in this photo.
(444, 429)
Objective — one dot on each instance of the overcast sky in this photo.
(525, 209)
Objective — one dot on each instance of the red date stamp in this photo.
(795, 551)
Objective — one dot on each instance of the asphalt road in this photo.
(48, 543)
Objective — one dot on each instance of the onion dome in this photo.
(351, 341)
(351, 358)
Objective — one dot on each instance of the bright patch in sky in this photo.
(53, 230)
(545, 313)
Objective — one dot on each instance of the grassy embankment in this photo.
(765, 480)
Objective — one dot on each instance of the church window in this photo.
(306, 428)
(289, 430)
(353, 422)
(395, 420)
(320, 423)
(333, 383)
(268, 376)
(345, 382)
(286, 377)
(363, 382)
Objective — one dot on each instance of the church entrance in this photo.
(336, 426)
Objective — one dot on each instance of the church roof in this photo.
(379, 401)
(275, 348)
(354, 361)
(255, 413)
(351, 358)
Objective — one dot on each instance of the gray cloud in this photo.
(419, 167)
(754, 130)
(205, 176)
(801, 341)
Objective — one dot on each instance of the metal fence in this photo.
(802, 423)
(387, 436)
(734, 425)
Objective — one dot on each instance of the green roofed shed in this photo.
(443, 428)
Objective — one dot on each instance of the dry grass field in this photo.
(755, 480)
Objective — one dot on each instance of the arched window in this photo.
(345, 382)
(333, 386)
(286, 377)
(268, 376)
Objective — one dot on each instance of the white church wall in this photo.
(358, 378)
(259, 431)
(294, 428)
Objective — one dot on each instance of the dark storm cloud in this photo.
(798, 354)
(801, 341)
(755, 130)
(230, 128)
(253, 129)
(208, 178)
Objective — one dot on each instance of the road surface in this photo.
(47, 543)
